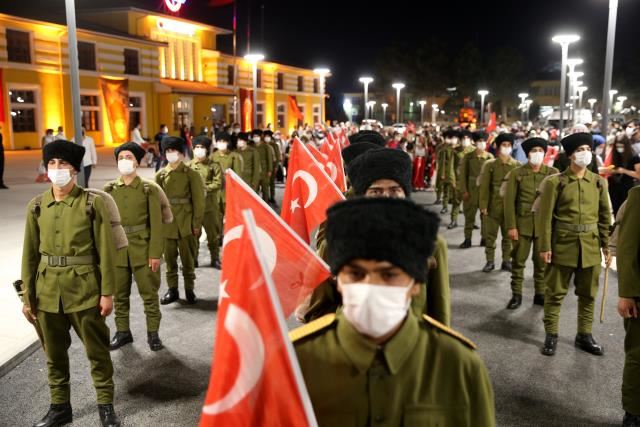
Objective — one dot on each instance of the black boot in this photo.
(550, 344)
(108, 416)
(58, 415)
(506, 266)
(437, 202)
(171, 296)
(155, 343)
(475, 227)
(452, 224)
(515, 302)
(191, 296)
(586, 343)
(630, 420)
(195, 262)
(466, 244)
(489, 266)
(215, 263)
(120, 339)
(483, 242)
(444, 210)
(538, 299)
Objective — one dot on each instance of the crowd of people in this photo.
(380, 326)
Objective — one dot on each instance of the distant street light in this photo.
(581, 91)
(384, 106)
(398, 87)
(347, 105)
(254, 58)
(612, 93)
(523, 107)
(564, 40)
(592, 102)
(366, 81)
(370, 105)
(422, 104)
(434, 111)
(482, 93)
(322, 73)
(608, 64)
(621, 100)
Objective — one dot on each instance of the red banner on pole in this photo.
(115, 93)
(246, 109)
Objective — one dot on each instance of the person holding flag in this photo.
(376, 348)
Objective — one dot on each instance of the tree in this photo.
(506, 77)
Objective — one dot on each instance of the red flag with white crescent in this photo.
(295, 267)
(308, 193)
(255, 377)
(334, 164)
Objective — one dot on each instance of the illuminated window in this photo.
(135, 111)
(301, 108)
(316, 86)
(259, 78)
(23, 110)
(316, 114)
(280, 83)
(281, 117)
(87, 56)
(90, 112)
(260, 114)
(131, 62)
(18, 46)
(300, 84)
(230, 73)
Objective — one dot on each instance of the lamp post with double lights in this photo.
(322, 73)
(592, 102)
(482, 93)
(366, 81)
(398, 87)
(254, 58)
(564, 40)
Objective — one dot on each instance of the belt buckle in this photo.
(581, 228)
(62, 261)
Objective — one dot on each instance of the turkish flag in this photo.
(492, 125)
(334, 164)
(255, 377)
(295, 267)
(308, 193)
(344, 141)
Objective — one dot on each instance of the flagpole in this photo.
(277, 308)
(235, 62)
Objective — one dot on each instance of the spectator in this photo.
(157, 139)
(90, 156)
(60, 134)
(136, 135)
(48, 137)
(627, 169)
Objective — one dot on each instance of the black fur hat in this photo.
(255, 132)
(368, 136)
(203, 140)
(137, 151)
(451, 133)
(479, 136)
(63, 150)
(508, 137)
(383, 163)
(530, 143)
(572, 142)
(243, 136)
(352, 151)
(355, 228)
(175, 143)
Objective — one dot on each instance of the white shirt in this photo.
(136, 136)
(90, 156)
(60, 135)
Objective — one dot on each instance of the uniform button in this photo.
(57, 231)
(379, 419)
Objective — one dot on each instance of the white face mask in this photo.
(59, 177)
(481, 145)
(236, 130)
(173, 157)
(629, 131)
(620, 150)
(583, 159)
(256, 139)
(536, 158)
(126, 166)
(165, 130)
(374, 310)
(222, 146)
(200, 152)
(505, 151)
(267, 139)
(466, 142)
(599, 150)
(242, 144)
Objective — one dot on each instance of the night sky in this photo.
(349, 36)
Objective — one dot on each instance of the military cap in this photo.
(383, 163)
(174, 142)
(505, 137)
(224, 136)
(479, 136)
(530, 143)
(203, 140)
(572, 142)
(137, 151)
(255, 132)
(368, 136)
(352, 151)
(354, 230)
(63, 150)
(451, 133)
(243, 136)
(267, 133)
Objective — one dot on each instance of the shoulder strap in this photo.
(110, 186)
(91, 198)
(433, 322)
(35, 209)
(145, 188)
(312, 327)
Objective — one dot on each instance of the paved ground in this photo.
(167, 388)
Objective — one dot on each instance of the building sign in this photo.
(174, 5)
(176, 27)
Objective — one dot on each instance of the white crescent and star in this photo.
(333, 171)
(312, 185)
(246, 335)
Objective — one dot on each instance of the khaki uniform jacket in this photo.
(579, 201)
(491, 176)
(425, 375)
(211, 173)
(460, 154)
(522, 185)
(628, 253)
(446, 164)
(182, 183)
(229, 160)
(251, 169)
(265, 153)
(64, 229)
(138, 206)
(470, 170)
(277, 159)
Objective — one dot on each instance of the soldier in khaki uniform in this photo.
(376, 361)
(266, 156)
(251, 169)
(185, 189)
(446, 168)
(227, 159)
(460, 152)
(140, 212)
(211, 173)
(628, 256)
(68, 263)
(521, 188)
(277, 161)
(491, 204)
(573, 222)
(469, 172)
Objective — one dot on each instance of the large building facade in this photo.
(166, 68)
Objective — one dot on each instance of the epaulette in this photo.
(312, 327)
(449, 331)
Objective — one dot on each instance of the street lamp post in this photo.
(398, 87)
(370, 106)
(528, 103)
(422, 104)
(482, 94)
(75, 79)
(581, 91)
(254, 58)
(322, 73)
(564, 40)
(434, 112)
(592, 102)
(366, 81)
(348, 108)
(384, 106)
(608, 64)
(522, 97)
(612, 93)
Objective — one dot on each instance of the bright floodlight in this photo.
(583, 89)
(254, 57)
(523, 95)
(322, 71)
(434, 106)
(592, 100)
(365, 80)
(613, 92)
(384, 105)
(483, 92)
(398, 85)
(575, 75)
(422, 103)
(622, 98)
(565, 38)
(572, 62)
